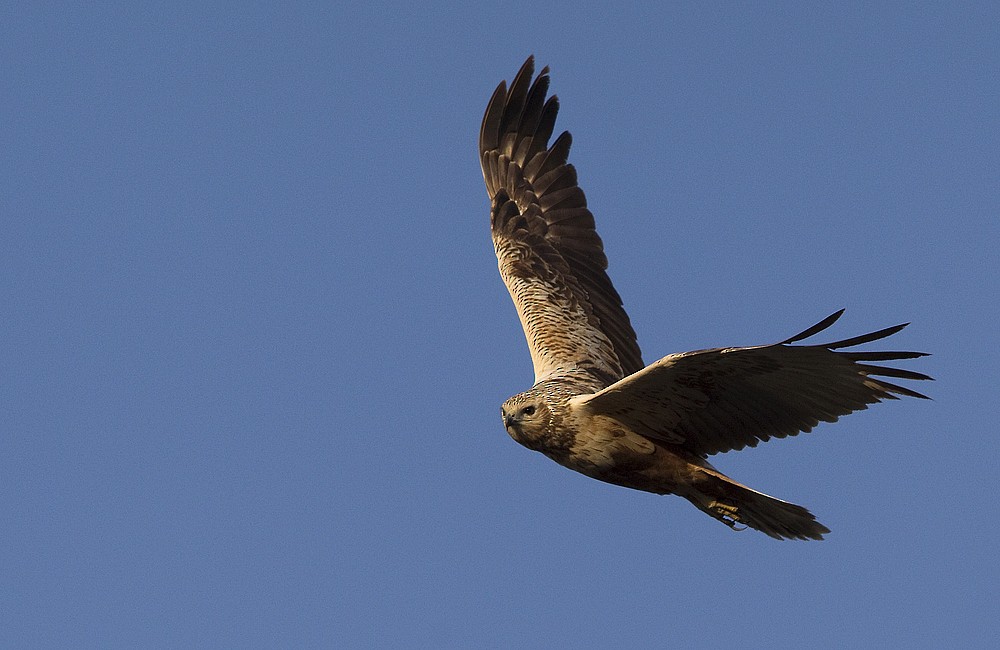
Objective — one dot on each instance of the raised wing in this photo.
(712, 401)
(549, 253)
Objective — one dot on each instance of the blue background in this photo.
(254, 342)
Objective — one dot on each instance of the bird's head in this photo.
(526, 417)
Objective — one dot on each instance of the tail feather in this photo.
(734, 504)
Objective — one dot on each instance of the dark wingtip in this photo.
(866, 338)
(888, 390)
(884, 371)
(884, 356)
(815, 329)
(900, 390)
(524, 75)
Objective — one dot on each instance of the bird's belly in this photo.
(632, 464)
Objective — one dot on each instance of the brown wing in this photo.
(712, 401)
(549, 253)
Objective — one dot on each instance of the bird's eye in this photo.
(528, 410)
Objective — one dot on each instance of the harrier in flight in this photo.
(595, 407)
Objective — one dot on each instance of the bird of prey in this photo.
(595, 407)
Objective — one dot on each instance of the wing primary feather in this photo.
(882, 371)
(546, 125)
(489, 132)
(882, 356)
(815, 329)
(902, 390)
(557, 154)
(530, 122)
(514, 106)
(865, 338)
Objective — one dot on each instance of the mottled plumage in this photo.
(595, 407)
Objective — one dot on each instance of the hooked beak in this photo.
(508, 420)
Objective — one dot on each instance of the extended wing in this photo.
(549, 253)
(712, 401)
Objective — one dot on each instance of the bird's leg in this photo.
(725, 512)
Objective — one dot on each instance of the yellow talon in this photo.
(727, 514)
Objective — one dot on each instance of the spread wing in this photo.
(712, 401)
(549, 253)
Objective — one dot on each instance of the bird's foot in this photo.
(727, 514)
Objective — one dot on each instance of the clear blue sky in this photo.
(254, 341)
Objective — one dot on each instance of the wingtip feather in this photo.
(815, 329)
